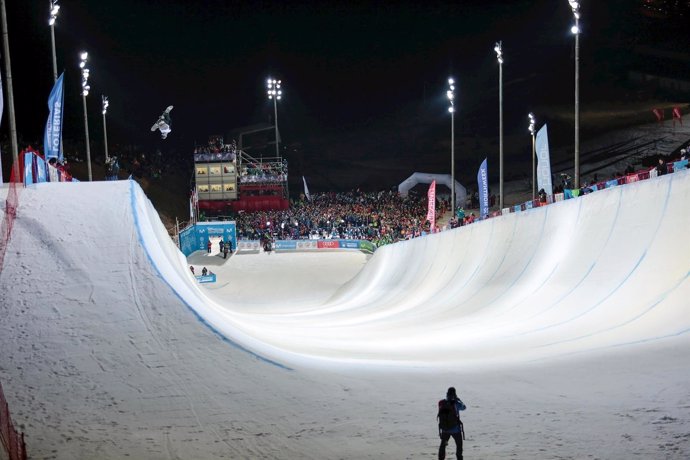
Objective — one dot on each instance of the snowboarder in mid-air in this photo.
(164, 123)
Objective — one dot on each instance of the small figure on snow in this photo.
(164, 123)
(449, 423)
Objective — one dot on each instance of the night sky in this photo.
(350, 70)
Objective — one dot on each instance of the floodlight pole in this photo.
(275, 93)
(54, 8)
(84, 92)
(105, 102)
(499, 55)
(86, 131)
(534, 155)
(10, 91)
(451, 98)
(575, 6)
(275, 118)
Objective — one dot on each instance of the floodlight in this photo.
(531, 122)
(54, 9)
(499, 52)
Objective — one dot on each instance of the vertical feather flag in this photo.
(52, 140)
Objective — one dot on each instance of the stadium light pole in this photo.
(451, 98)
(575, 6)
(105, 102)
(499, 55)
(532, 130)
(274, 92)
(54, 9)
(85, 92)
(10, 90)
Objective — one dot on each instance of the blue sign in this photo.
(207, 278)
(196, 238)
(285, 244)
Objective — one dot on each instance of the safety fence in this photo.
(11, 204)
(574, 193)
(11, 441)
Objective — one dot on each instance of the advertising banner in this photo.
(431, 208)
(543, 162)
(195, 238)
(285, 245)
(327, 244)
(52, 139)
(249, 245)
(188, 240)
(29, 168)
(483, 184)
(349, 244)
(41, 167)
(367, 246)
(312, 245)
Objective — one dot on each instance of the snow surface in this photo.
(564, 328)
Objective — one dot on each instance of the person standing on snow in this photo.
(449, 423)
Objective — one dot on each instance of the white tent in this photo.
(427, 178)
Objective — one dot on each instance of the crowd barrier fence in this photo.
(11, 441)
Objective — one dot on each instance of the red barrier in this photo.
(10, 440)
(11, 204)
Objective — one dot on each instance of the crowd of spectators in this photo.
(216, 145)
(381, 217)
(274, 171)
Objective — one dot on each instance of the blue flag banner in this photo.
(52, 139)
(28, 168)
(483, 184)
(41, 167)
(544, 161)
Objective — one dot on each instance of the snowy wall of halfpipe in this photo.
(607, 270)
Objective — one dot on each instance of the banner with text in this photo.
(431, 208)
(52, 139)
(195, 238)
(483, 185)
(543, 161)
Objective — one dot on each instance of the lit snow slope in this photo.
(605, 271)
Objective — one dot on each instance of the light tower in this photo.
(274, 92)
(532, 130)
(54, 9)
(105, 102)
(85, 92)
(451, 98)
(499, 55)
(575, 6)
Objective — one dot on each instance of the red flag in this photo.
(431, 211)
(677, 114)
(659, 114)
